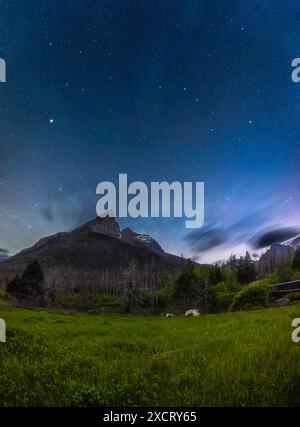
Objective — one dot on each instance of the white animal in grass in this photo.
(192, 313)
(169, 315)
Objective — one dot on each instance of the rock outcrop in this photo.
(295, 243)
(141, 239)
(277, 256)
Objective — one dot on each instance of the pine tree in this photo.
(190, 290)
(30, 286)
(246, 270)
(185, 283)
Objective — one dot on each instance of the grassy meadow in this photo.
(233, 359)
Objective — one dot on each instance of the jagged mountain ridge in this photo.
(97, 256)
(295, 242)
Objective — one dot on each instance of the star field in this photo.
(161, 90)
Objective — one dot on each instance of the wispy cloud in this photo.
(250, 230)
(4, 253)
(269, 236)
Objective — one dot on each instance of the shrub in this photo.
(296, 275)
(285, 274)
(294, 296)
(87, 301)
(223, 301)
(223, 294)
(2, 293)
(252, 296)
(86, 397)
(271, 279)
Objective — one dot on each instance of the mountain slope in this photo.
(95, 256)
(277, 256)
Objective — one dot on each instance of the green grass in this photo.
(234, 359)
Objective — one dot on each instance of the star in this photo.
(51, 121)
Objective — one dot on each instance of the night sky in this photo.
(160, 90)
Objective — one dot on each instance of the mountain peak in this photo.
(106, 225)
(141, 239)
